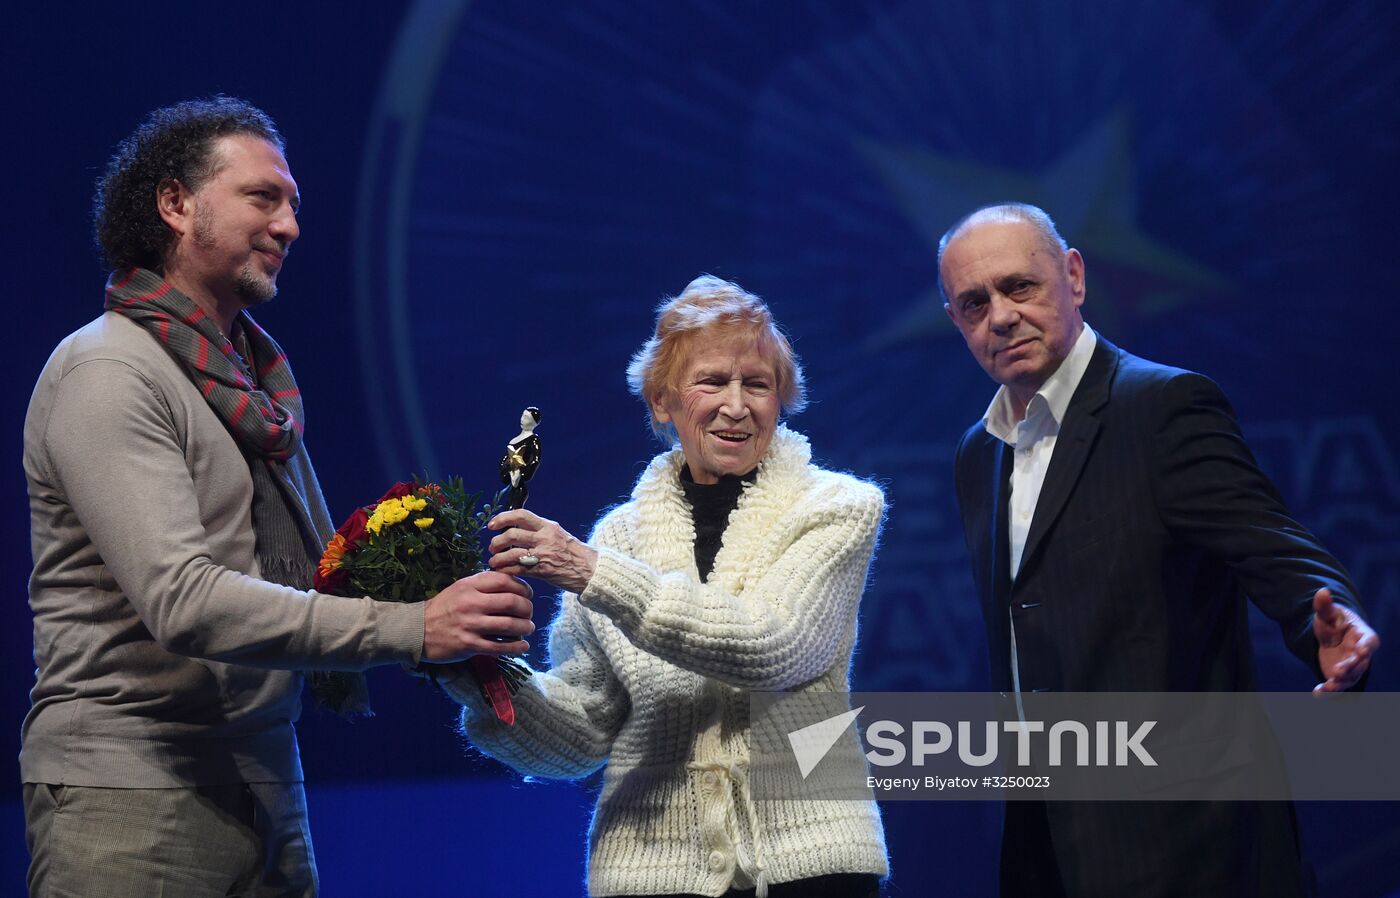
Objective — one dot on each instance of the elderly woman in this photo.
(737, 565)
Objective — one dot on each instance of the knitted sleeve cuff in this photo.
(460, 686)
(620, 587)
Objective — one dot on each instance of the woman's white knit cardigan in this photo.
(652, 669)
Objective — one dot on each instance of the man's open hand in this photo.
(484, 614)
(1345, 643)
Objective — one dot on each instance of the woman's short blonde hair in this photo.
(711, 308)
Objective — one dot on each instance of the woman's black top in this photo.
(710, 506)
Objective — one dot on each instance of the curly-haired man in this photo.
(176, 521)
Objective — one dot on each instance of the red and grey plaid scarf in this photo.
(265, 418)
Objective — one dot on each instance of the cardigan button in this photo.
(710, 779)
(718, 861)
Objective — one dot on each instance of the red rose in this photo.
(354, 527)
(332, 583)
(397, 491)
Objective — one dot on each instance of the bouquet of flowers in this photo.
(417, 539)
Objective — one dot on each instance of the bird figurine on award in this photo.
(520, 462)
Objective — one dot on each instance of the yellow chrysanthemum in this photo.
(414, 503)
(375, 522)
(391, 511)
(423, 523)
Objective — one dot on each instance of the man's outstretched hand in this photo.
(486, 613)
(1345, 643)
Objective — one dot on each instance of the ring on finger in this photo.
(529, 560)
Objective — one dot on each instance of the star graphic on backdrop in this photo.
(1089, 190)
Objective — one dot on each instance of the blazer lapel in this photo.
(1000, 554)
(1076, 438)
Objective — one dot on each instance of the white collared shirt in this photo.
(1033, 437)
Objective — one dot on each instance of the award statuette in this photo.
(498, 677)
(520, 462)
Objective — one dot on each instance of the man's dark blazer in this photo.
(1153, 525)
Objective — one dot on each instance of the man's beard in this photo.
(250, 285)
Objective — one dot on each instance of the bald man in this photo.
(1116, 521)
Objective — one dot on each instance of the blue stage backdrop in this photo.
(496, 196)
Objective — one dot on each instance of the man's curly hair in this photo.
(173, 142)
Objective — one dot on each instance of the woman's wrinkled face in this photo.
(725, 408)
